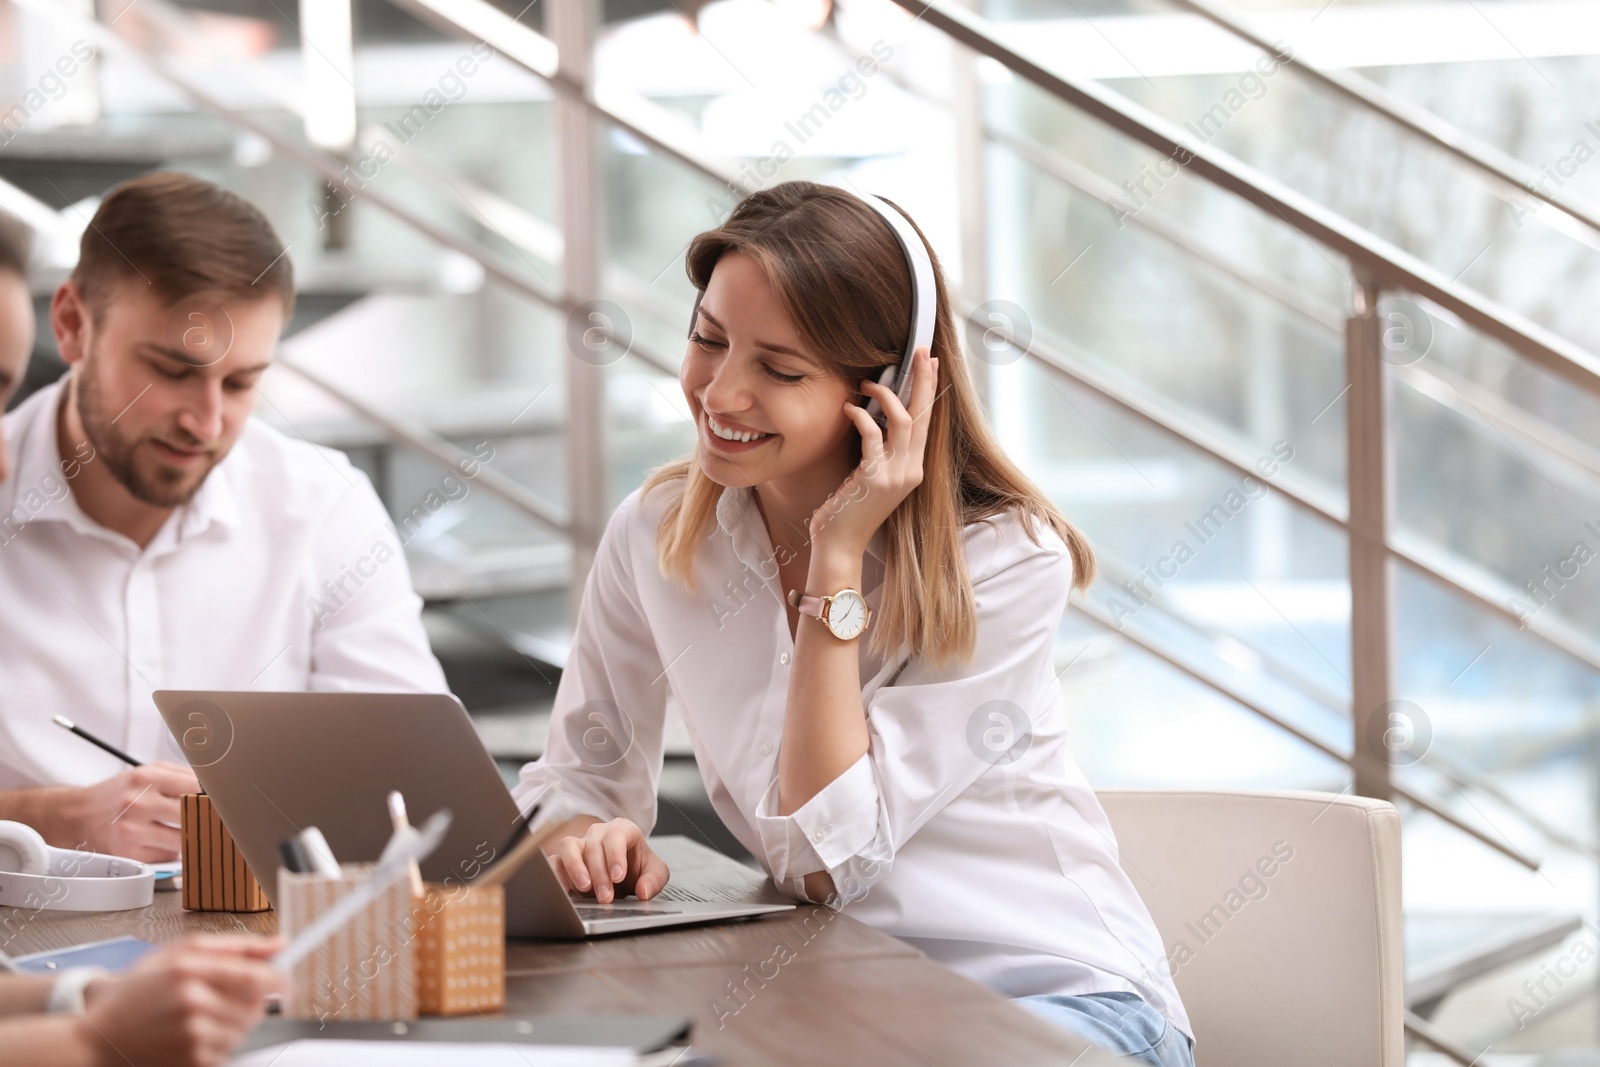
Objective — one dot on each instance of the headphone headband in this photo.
(924, 301)
(60, 879)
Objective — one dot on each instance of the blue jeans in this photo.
(1119, 1022)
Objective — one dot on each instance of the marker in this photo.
(67, 724)
(307, 852)
(292, 854)
(319, 854)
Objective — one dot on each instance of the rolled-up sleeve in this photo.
(604, 748)
(936, 730)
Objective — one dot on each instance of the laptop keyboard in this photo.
(612, 911)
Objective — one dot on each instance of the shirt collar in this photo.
(216, 501)
(41, 486)
(740, 519)
(41, 469)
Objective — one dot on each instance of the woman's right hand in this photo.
(609, 859)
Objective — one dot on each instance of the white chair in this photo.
(1281, 916)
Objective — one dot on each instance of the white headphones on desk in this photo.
(37, 876)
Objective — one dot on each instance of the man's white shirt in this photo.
(282, 573)
(966, 830)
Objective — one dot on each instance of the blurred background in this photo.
(1385, 216)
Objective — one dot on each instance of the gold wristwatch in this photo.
(844, 613)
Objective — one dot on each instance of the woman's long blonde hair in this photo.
(844, 281)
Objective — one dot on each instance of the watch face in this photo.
(847, 614)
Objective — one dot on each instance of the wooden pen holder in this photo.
(443, 953)
(367, 970)
(215, 875)
(461, 949)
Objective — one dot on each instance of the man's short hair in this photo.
(182, 236)
(16, 243)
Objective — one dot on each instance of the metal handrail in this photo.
(1461, 395)
(1172, 658)
(331, 170)
(1086, 181)
(1106, 192)
(1459, 300)
(1450, 390)
(1473, 401)
(451, 185)
(426, 441)
(1502, 168)
(1371, 256)
(1129, 398)
(1436, 760)
(537, 54)
(398, 427)
(1102, 384)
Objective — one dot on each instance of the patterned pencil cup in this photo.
(215, 876)
(461, 949)
(366, 971)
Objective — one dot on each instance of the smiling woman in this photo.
(918, 778)
(818, 317)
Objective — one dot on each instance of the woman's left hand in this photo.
(889, 469)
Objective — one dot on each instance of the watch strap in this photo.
(67, 988)
(808, 605)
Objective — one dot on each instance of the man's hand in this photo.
(185, 1006)
(133, 814)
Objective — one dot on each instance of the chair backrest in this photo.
(1281, 916)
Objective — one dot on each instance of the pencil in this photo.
(67, 724)
(397, 816)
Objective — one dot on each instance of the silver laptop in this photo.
(274, 763)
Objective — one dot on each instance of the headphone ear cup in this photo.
(22, 850)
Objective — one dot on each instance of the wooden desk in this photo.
(804, 988)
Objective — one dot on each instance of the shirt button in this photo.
(817, 835)
(766, 748)
(784, 659)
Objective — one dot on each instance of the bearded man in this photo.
(154, 536)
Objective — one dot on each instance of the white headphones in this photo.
(924, 300)
(924, 304)
(35, 875)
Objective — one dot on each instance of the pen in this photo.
(67, 724)
(522, 824)
(318, 854)
(519, 854)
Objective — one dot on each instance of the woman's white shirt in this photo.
(966, 830)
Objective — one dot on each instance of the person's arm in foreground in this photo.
(185, 1006)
